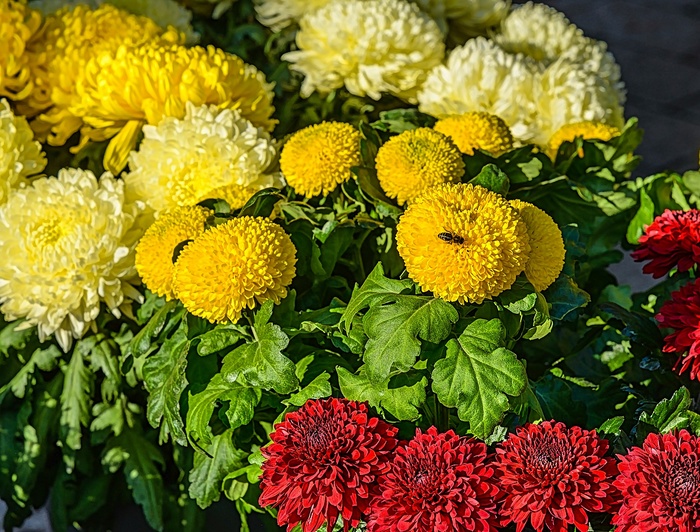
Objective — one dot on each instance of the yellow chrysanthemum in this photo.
(586, 130)
(472, 131)
(67, 245)
(154, 252)
(463, 243)
(547, 251)
(416, 160)
(120, 92)
(211, 152)
(18, 25)
(318, 158)
(70, 38)
(20, 155)
(278, 14)
(369, 46)
(233, 266)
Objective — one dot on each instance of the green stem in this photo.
(442, 416)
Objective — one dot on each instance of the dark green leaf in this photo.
(316, 389)
(492, 178)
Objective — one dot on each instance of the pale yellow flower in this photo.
(278, 14)
(461, 19)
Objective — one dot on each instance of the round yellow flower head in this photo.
(70, 38)
(482, 131)
(586, 130)
(20, 155)
(67, 244)
(461, 19)
(416, 160)
(234, 265)
(463, 243)
(155, 251)
(318, 158)
(121, 91)
(547, 250)
(211, 152)
(18, 25)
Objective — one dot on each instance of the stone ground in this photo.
(657, 43)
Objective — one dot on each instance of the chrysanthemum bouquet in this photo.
(338, 265)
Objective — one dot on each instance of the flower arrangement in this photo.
(337, 265)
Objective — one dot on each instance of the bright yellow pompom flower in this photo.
(482, 131)
(463, 243)
(416, 160)
(586, 130)
(155, 250)
(318, 158)
(234, 265)
(547, 250)
(121, 91)
(18, 26)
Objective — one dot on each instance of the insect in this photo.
(450, 238)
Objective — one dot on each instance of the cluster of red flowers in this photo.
(331, 459)
(673, 241)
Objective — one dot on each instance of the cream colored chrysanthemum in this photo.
(20, 155)
(480, 77)
(318, 158)
(184, 161)
(278, 14)
(566, 93)
(463, 243)
(67, 246)
(70, 38)
(156, 249)
(121, 91)
(547, 251)
(371, 47)
(545, 34)
(415, 161)
(584, 130)
(233, 266)
(472, 131)
(18, 26)
(461, 19)
(163, 12)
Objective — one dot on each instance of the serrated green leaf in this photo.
(316, 389)
(520, 297)
(260, 363)
(14, 338)
(218, 339)
(402, 402)
(165, 380)
(565, 296)
(104, 357)
(611, 426)
(478, 375)
(43, 359)
(396, 328)
(140, 344)
(670, 414)
(643, 217)
(492, 178)
(208, 473)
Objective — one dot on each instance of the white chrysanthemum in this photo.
(209, 153)
(481, 77)
(461, 19)
(20, 155)
(545, 34)
(163, 12)
(566, 93)
(371, 47)
(67, 245)
(278, 14)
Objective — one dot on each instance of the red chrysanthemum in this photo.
(672, 240)
(660, 485)
(682, 313)
(554, 476)
(323, 462)
(437, 483)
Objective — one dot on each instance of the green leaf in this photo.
(478, 375)
(165, 380)
(218, 339)
(14, 338)
(142, 341)
(643, 217)
(670, 414)
(316, 389)
(260, 363)
(400, 120)
(611, 427)
(44, 359)
(141, 460)
(492, 178)
(691, 179)
(395, 330)
(402, 402)
(262, 203)
(521, 297)
(243, 401)
(208, 472)
(565, 296)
